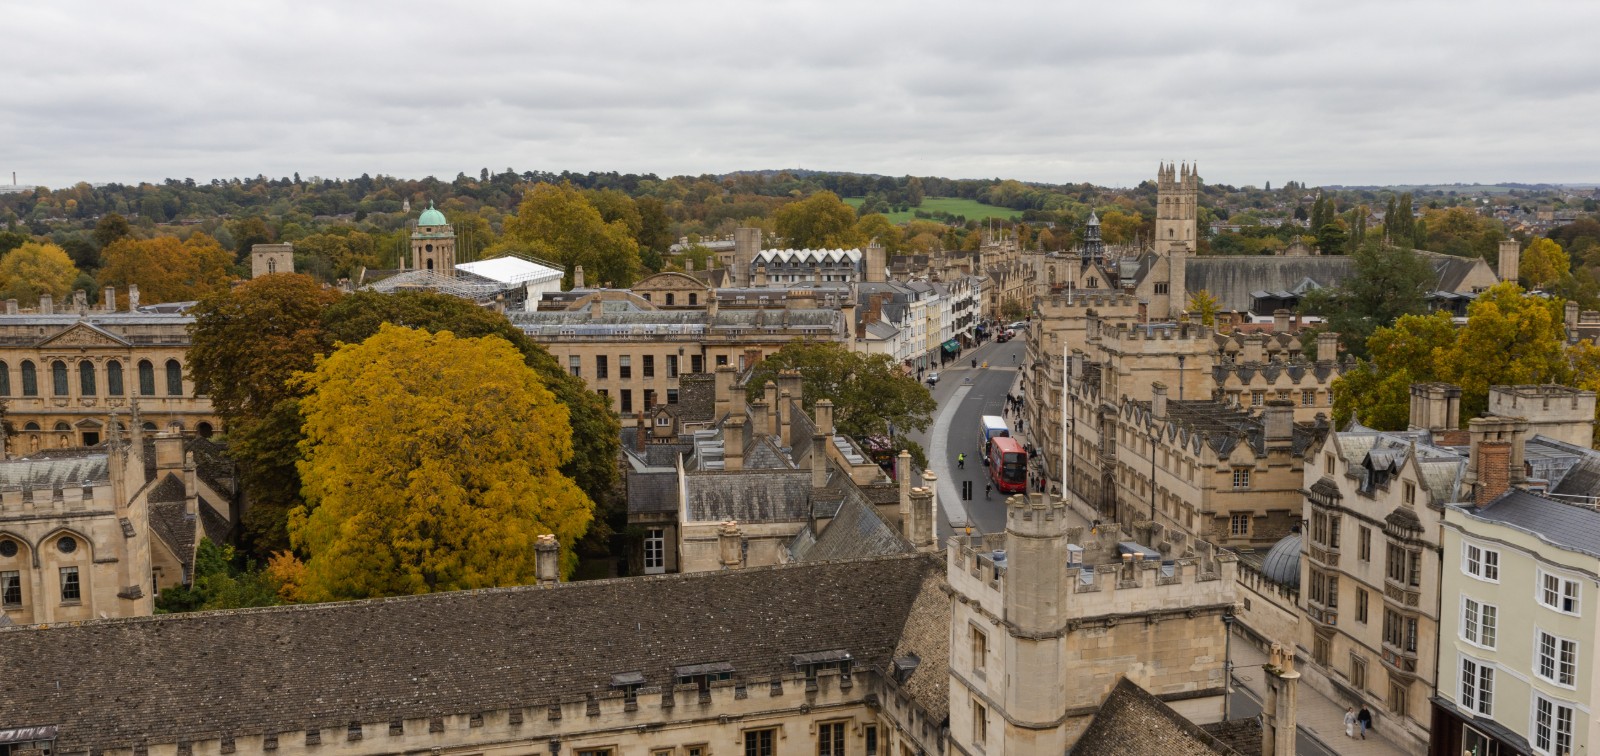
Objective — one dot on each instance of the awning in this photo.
(952, 346)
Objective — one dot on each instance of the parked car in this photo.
(1020, 325)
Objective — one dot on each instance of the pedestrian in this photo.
(961, 461)
(1364, 717)
(1350, 722)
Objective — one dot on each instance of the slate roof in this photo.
(1568, 526)
(655, 492)
(748, 496)
(327, 665)
(1231, 279)
(1132, 722)
(57, 472)
(855, 532)
(172, 525)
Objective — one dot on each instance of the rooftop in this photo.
(1568, 526)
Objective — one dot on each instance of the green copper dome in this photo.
(431, 217)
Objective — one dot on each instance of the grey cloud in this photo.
(1366, 92)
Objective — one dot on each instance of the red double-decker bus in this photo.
(1008, 465)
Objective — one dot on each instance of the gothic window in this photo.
(114, 378)
(174, 378)
(147, 378)
(272, 265)
(58, 378)
(5, 379)
(86, 378)
(1161, 288)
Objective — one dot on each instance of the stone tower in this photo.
(1093, 249)
(268, 259)
(433, 243)
(1177, 205)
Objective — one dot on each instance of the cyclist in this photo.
(961, 461)
(1013, 359)
(987, 487)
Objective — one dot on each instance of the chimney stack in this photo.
(759, 418)
(770, 395)
(688, 264)
(730, 545)
(746, 245)
(723, 388)
(733, 443)
(1280, 321)
(902, 476)
(785, 422)
(819, 461)
(547, 560)
(1253, 346)
(169, 451)
(133, 297)
(924, 512)
(824, 411)
(1327, 346)
(1158, 400)
(874, 262)
(1435, 407)
(11, 306)
(108, 299)
(1278, 727)
(640, 430)
(1494, 471)
(47, 304)
(577, 277)
(1277, 423)
(1510, 260)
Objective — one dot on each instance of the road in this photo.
(1242, 704)
(955, 430)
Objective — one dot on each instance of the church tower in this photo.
(1177, 206)
(433, 243)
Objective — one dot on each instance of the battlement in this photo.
(1131, 336)
(1074, 300)
(18, 501)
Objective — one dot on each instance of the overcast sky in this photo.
(1327, 92)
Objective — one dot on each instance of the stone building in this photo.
(269, 259)
(1046, 617)
(433, 243)
(630, 351)
(64, 370)
(93, 533)
(1375, 505)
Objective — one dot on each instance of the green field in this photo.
(972, 209)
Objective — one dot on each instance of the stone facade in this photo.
(268, 259)
(62, 373)
(1051, 615)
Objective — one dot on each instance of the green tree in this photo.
(1331, 238)
(1511, 338)
(1389, 282)
(820, 221)
(223, 579)
(246, 345)
(560, 225)
(432, 463)
(1378, 392)
(35, 269)
(870, 393)
(1543, 263)
(877, 227)
(110, 228)
(248, 232)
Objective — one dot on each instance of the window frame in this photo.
(1475, 685)
(1550, 743)
(756, 748)
(71, 576)
(840, 738)
(1562, 583)
(1241, 479)
(1483, 562)
(174, 375)
(6, 589)
(1558, 667)
(1479, 619)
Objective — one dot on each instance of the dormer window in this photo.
(702, 675)
(629, 683)
(837, 660)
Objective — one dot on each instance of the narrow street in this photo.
(965, 394)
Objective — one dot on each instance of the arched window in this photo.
(147, 378)
(30, 379)
(63, 427)
(114, 378)
(204, 429)
(430, 263)
(86, 378)
(31, 426)
(174, 378)
(5, 379)
(58, 378)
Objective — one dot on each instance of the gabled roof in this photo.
(1132, 722)
(327, 665)
(84, 333)
(855, 531)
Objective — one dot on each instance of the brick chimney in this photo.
(547, 560)
(730, 545)
(1494, 471)
(733, 443)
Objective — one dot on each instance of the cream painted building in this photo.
(1519, 635)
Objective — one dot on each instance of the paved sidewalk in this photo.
(1317, 716)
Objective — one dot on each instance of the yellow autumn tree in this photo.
(430, 463)
(1204, 306)
(34, 269)
(166, 269)
(1543, 263)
